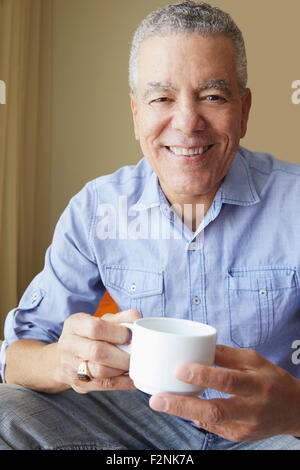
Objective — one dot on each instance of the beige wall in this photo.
(92, 128)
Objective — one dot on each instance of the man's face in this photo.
(188, 113)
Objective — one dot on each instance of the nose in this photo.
(188, 118)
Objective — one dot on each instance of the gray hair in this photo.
(189, 17)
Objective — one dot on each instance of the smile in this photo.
(189, 152)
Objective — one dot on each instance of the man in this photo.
(190, 108)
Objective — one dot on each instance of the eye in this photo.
(214, 98)
(162, 99)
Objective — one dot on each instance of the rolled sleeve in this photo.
(69, 282)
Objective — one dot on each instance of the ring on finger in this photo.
(83, 372)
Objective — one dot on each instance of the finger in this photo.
(235, 358)
(213, 412)
(97, 351)
(122, 382)
(84, 325)
(70, 364)
(101, 371)
(125, 316)
(228, 381)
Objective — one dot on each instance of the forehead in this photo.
(173, 57)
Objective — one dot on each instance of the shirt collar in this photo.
(150, 196)
(237, 188)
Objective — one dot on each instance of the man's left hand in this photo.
(264, 401)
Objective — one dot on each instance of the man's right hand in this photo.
(85, 337)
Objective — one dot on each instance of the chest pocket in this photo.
(136, 288)
(256, 298)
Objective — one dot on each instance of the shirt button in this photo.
(34, 297)
(133, 287)
(196, 300)
(193, 246)
(263, 292)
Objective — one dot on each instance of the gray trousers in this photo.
(112, 420)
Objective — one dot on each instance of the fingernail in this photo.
(159, 403)
(185, 373)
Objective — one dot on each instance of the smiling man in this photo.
(190, 106)
(189, 113)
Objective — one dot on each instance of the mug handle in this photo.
(126, 347)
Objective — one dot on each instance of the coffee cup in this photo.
(159, 345)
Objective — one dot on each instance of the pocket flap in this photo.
(134, 282)
(254, 280)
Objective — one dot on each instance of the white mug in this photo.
(159, 345)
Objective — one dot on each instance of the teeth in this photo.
(189, 152)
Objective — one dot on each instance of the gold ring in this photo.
(83, 372)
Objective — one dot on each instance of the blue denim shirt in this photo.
(239, 272)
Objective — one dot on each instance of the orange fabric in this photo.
(107, 305)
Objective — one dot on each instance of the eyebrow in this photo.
(157, 86)
(220, 84)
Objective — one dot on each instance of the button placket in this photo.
(197, 282)
(193, 246)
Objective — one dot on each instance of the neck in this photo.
(191, 209)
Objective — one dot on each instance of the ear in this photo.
(246, 106)
(134, 109)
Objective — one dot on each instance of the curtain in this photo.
(25, 145)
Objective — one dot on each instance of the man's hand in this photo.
(85, 337)
(265, 400)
